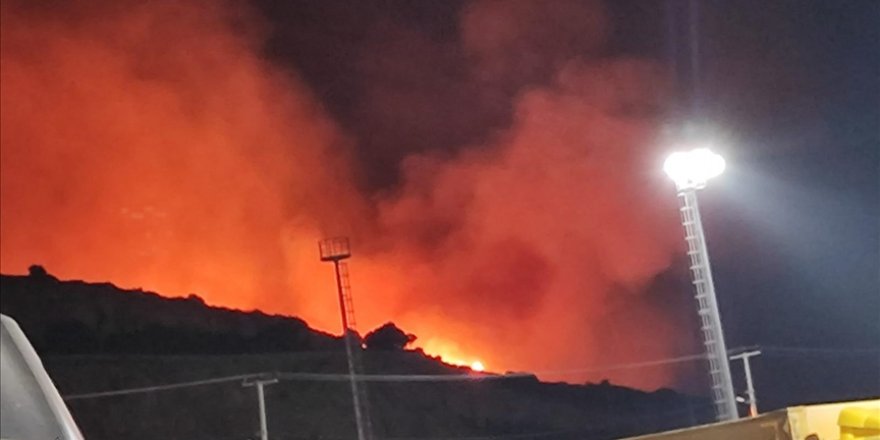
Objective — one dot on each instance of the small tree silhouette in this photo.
(388, 337)
(37, 271)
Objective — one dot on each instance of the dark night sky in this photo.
(789, 87)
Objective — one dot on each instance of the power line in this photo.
(821, 351)
(300, 376)
(333, 377)
(150, 389)
(626, 366)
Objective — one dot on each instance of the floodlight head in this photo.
(692, 169)
(334, 249)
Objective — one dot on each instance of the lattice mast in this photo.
(336, 250)
(707, 307)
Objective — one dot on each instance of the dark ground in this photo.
(96, 337)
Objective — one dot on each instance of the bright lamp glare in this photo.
(692, 169)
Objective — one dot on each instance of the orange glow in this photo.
(450, 353)
(153, 146)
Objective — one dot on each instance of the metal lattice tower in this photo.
(347, 305)
(707, 307)
(336, 250)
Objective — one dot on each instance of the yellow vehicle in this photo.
(858, 420)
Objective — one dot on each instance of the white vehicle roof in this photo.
(30, 406)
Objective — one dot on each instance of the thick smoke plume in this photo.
(150, 144)
(552, 230)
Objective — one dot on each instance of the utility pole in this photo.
(261, 399)
(750, 386)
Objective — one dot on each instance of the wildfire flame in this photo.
(153, 146)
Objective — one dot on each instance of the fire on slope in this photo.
(153, 146)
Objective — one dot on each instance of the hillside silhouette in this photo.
(95, 337)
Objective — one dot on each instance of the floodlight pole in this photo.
(348, 338)
(710, 318)
(335, 250)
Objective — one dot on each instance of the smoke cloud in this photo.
(557, 230)
(152, 145)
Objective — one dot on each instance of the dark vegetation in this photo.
(96, 337)
(388, 337)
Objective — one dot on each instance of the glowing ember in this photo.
(477, 366)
